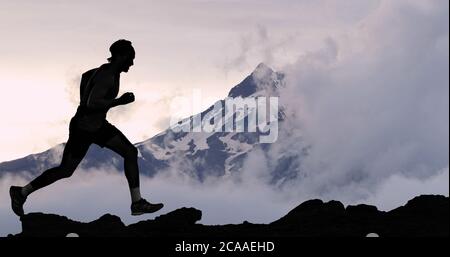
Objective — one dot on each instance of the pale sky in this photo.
(180, 45)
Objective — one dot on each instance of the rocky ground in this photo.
(426, 215)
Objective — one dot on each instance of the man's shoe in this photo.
(142, 206)
(17, 200)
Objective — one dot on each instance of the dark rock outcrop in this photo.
(426, 215)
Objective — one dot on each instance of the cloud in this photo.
(373, 103)
(88, 194)
(258, 45)
(397, 188)
(72, 88)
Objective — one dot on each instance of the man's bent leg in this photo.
(121, 145)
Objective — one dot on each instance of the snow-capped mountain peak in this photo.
(262, 79)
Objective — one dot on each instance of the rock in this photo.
(421, 216)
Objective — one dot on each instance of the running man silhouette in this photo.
(99, 88)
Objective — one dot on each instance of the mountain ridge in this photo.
(197, 154)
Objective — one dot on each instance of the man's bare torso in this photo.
(96, 85)
(106, 78)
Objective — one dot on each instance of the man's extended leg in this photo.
(122, 146)
(74, 152)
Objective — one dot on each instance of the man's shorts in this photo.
(80, 139)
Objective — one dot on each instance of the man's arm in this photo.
(97, 98)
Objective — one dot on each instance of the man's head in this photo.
(122, 53)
